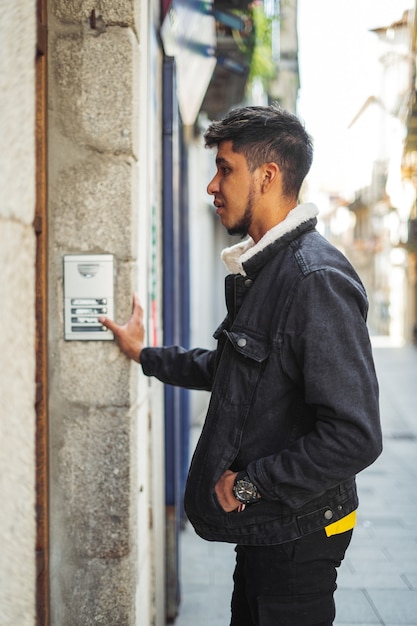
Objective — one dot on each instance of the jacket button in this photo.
(241, 342)
(248, 283)
(328, 514)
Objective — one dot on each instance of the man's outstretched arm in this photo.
(192, 369)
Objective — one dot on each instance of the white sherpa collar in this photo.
(236, 255)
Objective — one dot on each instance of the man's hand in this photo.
(130, 336)
(224, 492)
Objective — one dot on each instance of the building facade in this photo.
(103, 159)
(83, 433)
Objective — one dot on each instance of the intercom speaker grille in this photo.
(88, 270)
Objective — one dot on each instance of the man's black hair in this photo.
(265, 134)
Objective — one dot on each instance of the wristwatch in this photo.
(244, 490)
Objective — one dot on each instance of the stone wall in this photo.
(102, 565)
(17, 314)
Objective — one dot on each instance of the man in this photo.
(293, 414)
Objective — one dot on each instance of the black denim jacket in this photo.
(294, 397)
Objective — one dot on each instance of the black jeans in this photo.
(290, 584)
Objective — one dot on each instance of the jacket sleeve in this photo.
(327, 356)
(173, 365)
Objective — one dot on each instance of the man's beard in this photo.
(242, 227)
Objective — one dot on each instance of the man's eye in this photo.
(225, 170)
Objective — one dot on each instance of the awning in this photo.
(212, 65)
(188, 33)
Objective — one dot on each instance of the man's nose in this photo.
(212, 187)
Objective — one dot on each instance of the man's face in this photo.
(234, 190)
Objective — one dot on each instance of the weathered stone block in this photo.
(92, 206)
(17, 424)
(102, 593)
(93, 373)
(17, 315)
(97, 89)
(17, 106)
(94, 476)
(122, 12)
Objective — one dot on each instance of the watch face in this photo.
(245, 491)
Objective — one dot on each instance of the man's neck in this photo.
(270, 217)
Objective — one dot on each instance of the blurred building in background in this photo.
(409, 175)
(373, 220)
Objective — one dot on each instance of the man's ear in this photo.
(270, 174)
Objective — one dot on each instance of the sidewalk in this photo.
(377, 583)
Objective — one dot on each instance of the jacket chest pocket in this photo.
(241, 365)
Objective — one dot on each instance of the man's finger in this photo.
(108, 323)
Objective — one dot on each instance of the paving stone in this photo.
(353, 607)
(397, 606)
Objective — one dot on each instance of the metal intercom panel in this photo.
(88, 293)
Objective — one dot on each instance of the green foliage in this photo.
(257, 44)
(262, 65)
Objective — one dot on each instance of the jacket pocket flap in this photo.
(253, 347)
(220, 329)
